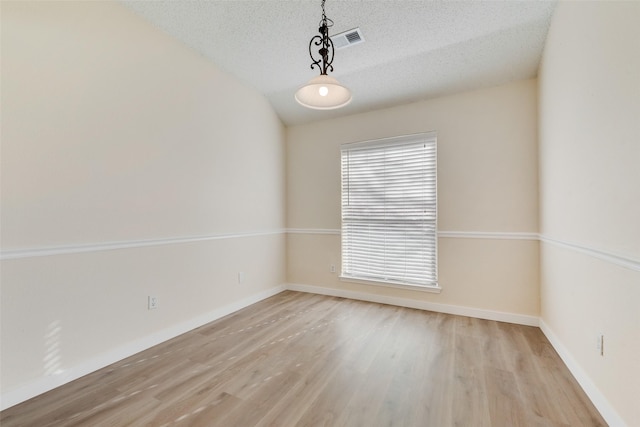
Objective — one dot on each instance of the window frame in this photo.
(423, 137)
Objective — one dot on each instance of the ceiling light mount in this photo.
(323, 92)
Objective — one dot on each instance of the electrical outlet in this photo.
(332, 268)
(152, 303)
(241, 277)
(600, 344)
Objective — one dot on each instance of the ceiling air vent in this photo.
(347, 38)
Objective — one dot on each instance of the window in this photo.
(389, 211)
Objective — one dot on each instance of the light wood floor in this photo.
(308, 360)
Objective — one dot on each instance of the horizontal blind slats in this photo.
(389, 211)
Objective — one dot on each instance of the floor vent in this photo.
(347, 38)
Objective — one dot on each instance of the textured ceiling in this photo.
(413, 49)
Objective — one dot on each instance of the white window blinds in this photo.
(389, 210)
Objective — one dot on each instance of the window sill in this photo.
(436, 289)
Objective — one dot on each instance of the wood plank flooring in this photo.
(308, 360)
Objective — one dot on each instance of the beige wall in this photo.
(590, 195)
(487, 183)
(114, 132)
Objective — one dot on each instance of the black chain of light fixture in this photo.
(325, 44)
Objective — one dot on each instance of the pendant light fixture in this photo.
(323, 92)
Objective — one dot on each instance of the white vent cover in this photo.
(347, 38)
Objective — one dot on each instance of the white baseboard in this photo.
(44, 384)
(520, 319)
(597, 398)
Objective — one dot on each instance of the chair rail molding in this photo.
(108, 246)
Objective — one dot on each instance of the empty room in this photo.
(320, 213)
